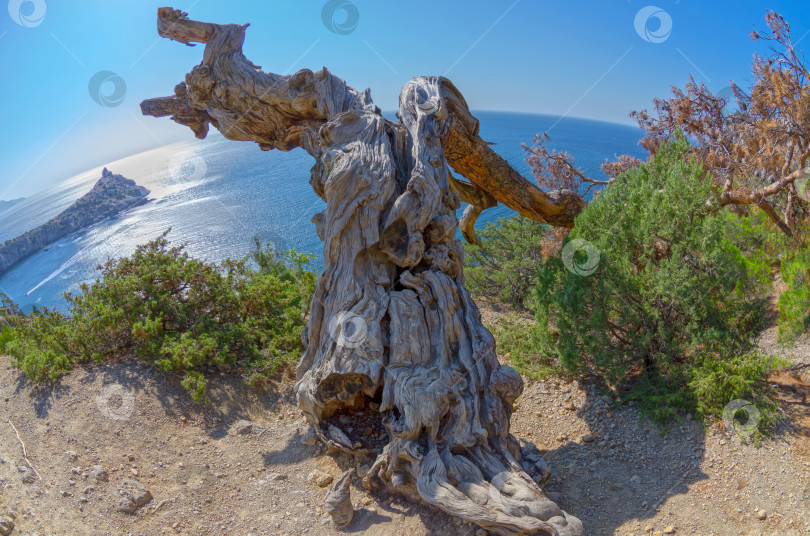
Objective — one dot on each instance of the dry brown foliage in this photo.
(555, 170)
(755, 149)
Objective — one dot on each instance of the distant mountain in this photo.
(111, 195)
(5, 205)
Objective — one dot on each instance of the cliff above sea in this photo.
(111, 195)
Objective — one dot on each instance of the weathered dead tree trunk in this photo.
(393, 334)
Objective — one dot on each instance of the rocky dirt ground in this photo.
(245, 464)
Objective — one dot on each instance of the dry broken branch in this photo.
(25, 454)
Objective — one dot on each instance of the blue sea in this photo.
(217, 194)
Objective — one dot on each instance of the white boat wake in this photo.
(71, 260)
(61, 269)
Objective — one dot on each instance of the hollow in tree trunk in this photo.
(392, 331)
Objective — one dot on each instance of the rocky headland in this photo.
(111, 195)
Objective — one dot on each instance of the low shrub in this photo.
(651, 286)
(518, 342)
(758, 238)
(794, 303)
(181, 314)
(504, 266)
(716, 382)
(706, 387)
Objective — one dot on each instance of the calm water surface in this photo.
(216, 195)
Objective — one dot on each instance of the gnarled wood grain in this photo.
(393, 335)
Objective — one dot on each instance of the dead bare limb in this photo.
(25, 454)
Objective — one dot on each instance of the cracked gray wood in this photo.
(393, 334)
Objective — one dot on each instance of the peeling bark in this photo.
(393, 335)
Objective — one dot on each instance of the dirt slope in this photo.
(618, 475)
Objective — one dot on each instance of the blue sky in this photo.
(575, 58)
